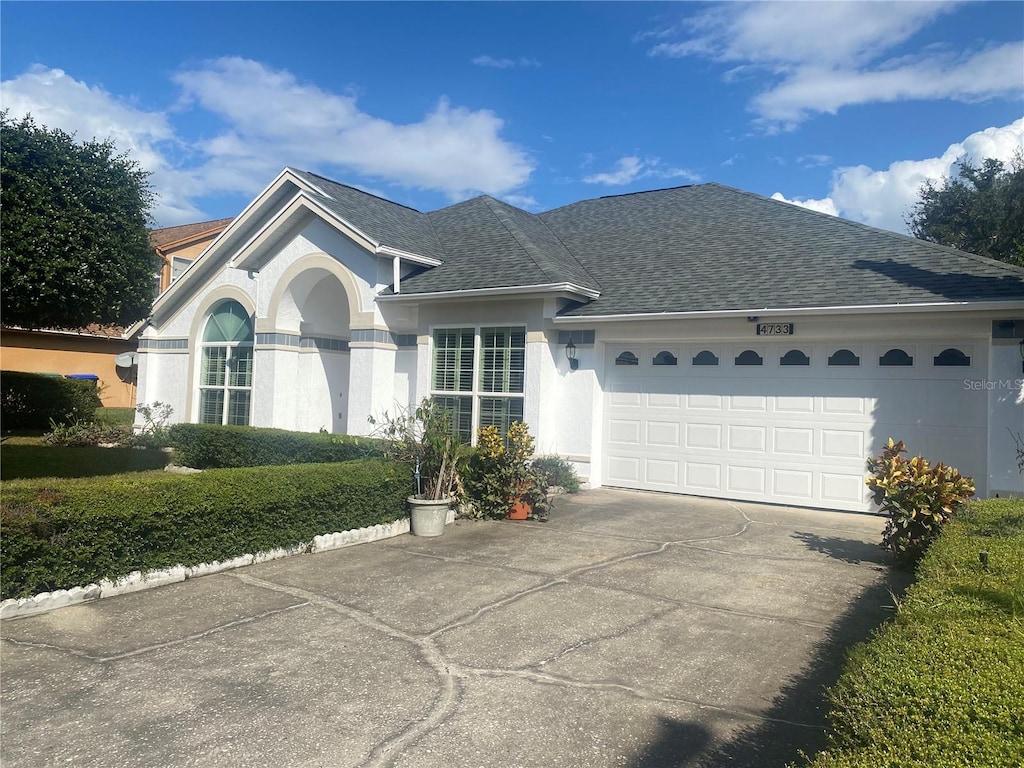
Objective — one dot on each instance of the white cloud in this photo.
(629, 169)
(272, 120)
(526, 202)
(836, 55)
(884, 198)
(825, 205)
(452, 149)
(57, 100)
(501, 63)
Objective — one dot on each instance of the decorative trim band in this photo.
(163, 344)
(301, 342)
(378, 336)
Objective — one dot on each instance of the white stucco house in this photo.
(723, 344)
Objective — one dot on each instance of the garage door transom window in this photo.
(479, 375)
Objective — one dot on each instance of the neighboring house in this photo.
(179, 246)
(93, 351)
(104, 352)
(724, 344)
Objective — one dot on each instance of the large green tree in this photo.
(981, 210)
(74, 249)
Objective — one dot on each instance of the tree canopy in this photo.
(75, 249)
(981, 210)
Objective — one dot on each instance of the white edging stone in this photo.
(135, 581)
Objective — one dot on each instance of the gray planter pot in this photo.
(428, 515)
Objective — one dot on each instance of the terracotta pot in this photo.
(520, 510)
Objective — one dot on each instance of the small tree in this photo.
(981, 210)
(75, 246)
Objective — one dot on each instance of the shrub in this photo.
(943, 684)
(917, 497)
(500, 472)
(62, 533)
(87, 433)
(422, 437)
(209, 446)
(31, 401)
(558, 472)
(24, 461)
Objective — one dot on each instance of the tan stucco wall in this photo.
(190, 251)
(64, 354)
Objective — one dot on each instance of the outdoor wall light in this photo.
(570, 355)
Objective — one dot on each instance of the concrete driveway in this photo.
(633, 629)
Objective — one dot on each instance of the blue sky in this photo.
(843, 107)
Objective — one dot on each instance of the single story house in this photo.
(698, 340)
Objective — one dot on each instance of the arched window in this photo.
(843, 357)
(664, 358)
(748, 357)
(951, 356)
(706, 357)
(225, 378)
(896, 356)
(627, 358)
(794, 357)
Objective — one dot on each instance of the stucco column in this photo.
(371, 384)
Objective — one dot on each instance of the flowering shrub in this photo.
(917, 497)
(501, 473)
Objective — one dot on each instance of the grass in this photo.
(24, 457)
(943, 684)
(112, 417)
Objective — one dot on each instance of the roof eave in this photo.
(861, 309)
(509, 290)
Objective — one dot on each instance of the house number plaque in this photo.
(774, 329)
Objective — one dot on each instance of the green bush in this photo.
(19, 461)
(62, 533)
(917, 497)
(86, 433)
(208, 446)
(31, 401)
(557, 472)
(943, 684)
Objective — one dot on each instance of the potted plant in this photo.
(422, 437)
(504, 482)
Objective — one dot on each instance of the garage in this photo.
(787, 422)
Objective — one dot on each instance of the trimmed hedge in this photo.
(209, 446)
(943, 684)
(57, 534)
(30, 401)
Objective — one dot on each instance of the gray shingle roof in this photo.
(386, 222)
(704, 247)
(710, 247)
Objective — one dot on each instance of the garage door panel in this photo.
(663, 400)
(662, 472)
(843, 444)
(703, 476)
(844, 406)
(741, 479)
(624, 431)
(845, 487)
(623, 469)
(663, 433)
(794, 404)
(703, 402)
(794, 441)
(747, 438)
(704, 436)
(794, 483)
(757, 403)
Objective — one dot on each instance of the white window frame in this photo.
(226, 388)
(476, 393)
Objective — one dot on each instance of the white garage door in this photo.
(787, 423)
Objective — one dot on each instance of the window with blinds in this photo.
(491, 392)
(225, 375)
